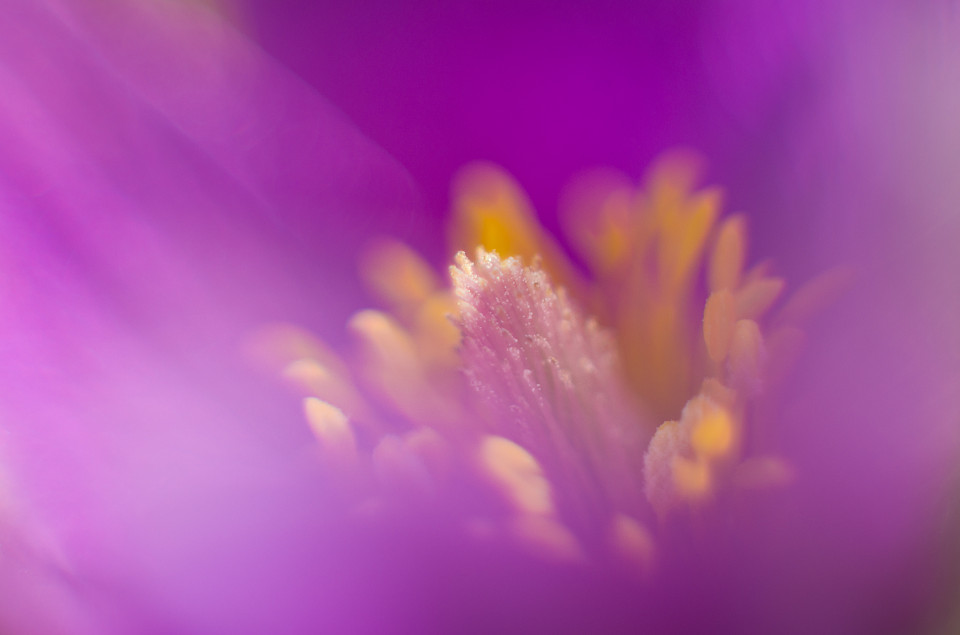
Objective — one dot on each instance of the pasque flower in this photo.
(615, 416)
(508, 374)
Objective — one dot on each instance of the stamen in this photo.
(332, 430)
(517, 474)
(712, 436)
(747, 357)
(719, 316)
(691, 478)
(391, 366)
(756, 297)
(729, 254)
(397, 274)
(317, 380)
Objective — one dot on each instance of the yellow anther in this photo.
(386, 348)
(311, 375)
(332, 430)
(397, 274)
(684, 233)
(729, 254)
(657, 355)
(719, 316)
(599, 214)
(517, 474)
(437, 336)
(317, 380)
(391, 366)
(704, 208)
(613, 237)
(384, 336)
(490, 210)
(678, 169)
(713, 436)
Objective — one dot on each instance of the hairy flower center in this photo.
(550, 379)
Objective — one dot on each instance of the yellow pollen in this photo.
(613, 246)
(437, 336)
(491, 211)
(599, 215)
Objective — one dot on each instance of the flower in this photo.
(166, 187)
(502, 384)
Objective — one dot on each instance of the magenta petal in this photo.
(165, 188)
